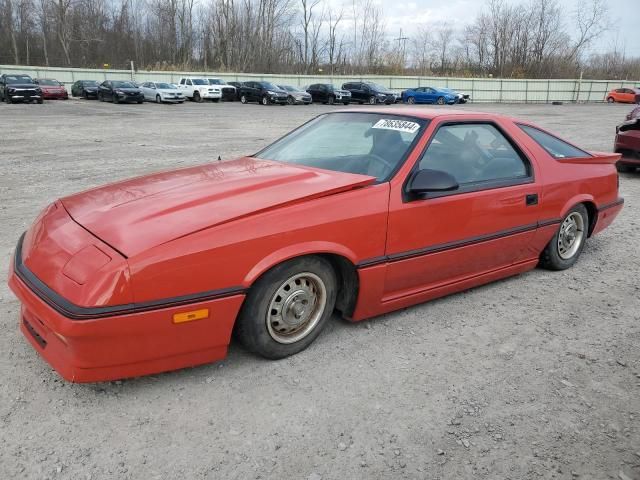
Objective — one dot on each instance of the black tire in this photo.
(625, 168)
(100, 97)
(610, 100)
(140, 102)
(291, 100)
(114, 98)
(40, 101)
(251, 328)
(372, 100)
(196, 97)
(331, 100)
(158, 99)
(264, 100)
(85, 95)
(7, 99)
(440, 101)
(551, 258)
(243, 99)
(215, 100)
(411, 100)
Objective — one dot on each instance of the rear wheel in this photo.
(287, 307)
(567, 244)
(610, 100)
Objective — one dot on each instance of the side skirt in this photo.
(372, 281)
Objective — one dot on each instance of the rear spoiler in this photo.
(596, 158)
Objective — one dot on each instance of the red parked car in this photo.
(52, 89)
(623, 95)
(360, 212)
(627, 142)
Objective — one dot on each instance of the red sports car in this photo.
(52, 89)
(360, 212)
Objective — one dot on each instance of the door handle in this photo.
(531, 199)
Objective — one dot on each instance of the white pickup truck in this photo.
(198, 89)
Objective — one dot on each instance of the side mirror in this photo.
(425, 181)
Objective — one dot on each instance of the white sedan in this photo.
(161, 92)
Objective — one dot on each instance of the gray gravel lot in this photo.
(533, 377)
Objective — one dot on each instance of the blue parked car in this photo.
(440, 96)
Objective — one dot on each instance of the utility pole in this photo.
(402, 43)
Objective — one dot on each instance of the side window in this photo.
(554, 146)
(188, 81)
(473, 153)
(182, 81)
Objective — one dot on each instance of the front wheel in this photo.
(411, 100)
(372, 100)
(567, 244)
(243, 99)
(440, 101)
(158, 99)
(265, 100)
(331, 100)
(114, 98)
(291, 100)
(197, 97)
(287, 307)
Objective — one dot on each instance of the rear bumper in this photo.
(607, 214)
(121, 346)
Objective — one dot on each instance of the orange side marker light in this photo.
(190, 316)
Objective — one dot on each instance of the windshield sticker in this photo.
(398, 125)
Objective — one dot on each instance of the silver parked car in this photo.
(296, 95)
(161, 92)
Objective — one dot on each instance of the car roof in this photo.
(429, 113)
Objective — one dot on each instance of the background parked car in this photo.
(85, 88)
(295, 95)
(52, 89)
(19, 88)
(228, 91)
(262, 92)
(369, 92)
(440, 96)
(198, 89)
(624, 95)
(328, 93)
(237, 85)
(161, 92)
(119, 91)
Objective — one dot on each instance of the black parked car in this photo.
(368, 92)
(262, 92)
(19, 88)
(327, 93)
(237, 85)
(119, 91)
(85, 88)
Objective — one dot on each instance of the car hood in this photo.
(22, 85)
(138, 214)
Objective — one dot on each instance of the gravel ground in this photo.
(533, 377)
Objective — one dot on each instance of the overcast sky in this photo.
(408, 14)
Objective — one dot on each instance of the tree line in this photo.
(534, 39)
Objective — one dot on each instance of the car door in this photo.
(629, 95)
(485, 225)
(104, 90)
(313, 91)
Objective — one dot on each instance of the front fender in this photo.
(293, 251)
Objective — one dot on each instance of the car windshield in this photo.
(89, 83)
(199, 81)
(364, 143)
(215, 81)
(270, 86)
(18, 79)
(378, 87)
(164, 86)
(288, 88)
(119, 84)
(48, 83)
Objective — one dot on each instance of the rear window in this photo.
(553, 145)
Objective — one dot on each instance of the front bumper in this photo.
(24, 96)
(211, 95)
(172, 99)
(54, 95)
(130, 98)
(121, 346)
(278, 98)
